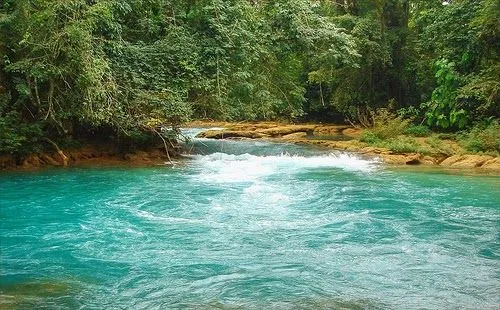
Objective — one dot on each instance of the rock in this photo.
(413, 162)
(466, 161)
(369, 150)
(251, 126)
(401, 159)
(492, 164)
(428, 160)
(224, 134)
(48, 159)
(30, 162)
(7, 161)
(451, 160)
(351, 132)
(295, 136)
(329, 130)
(286, 130)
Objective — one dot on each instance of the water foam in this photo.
(221, 167)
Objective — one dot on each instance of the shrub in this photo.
(482, 139)
(18, 137)
(409, 112)
(447, 136)
(438, 146)
(369, 137)
(418, 131)
(404, 145)
(387, 125)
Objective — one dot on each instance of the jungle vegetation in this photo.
(123, 68)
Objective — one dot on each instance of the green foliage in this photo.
(399, 145)
(387, 132)
(409, 112)
(438, 146)
(403, 145)
(134, 65)
(446, 136)
(369, 137)
(482, 138)
(418, 131)
(442, 110)
(18, 137)
(465, 89)
(388, 125)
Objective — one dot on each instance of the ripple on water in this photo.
(250, 231)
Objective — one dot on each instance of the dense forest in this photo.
(124, 68)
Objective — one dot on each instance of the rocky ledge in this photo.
(86, 156)
(341, 137)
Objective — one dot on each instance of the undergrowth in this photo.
(482, 139)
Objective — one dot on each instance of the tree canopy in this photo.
(125, 66)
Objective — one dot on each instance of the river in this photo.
(252, 225)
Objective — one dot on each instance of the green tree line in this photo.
(121, 68)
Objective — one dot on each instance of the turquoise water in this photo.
(251, 225)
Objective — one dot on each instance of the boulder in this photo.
(401, 159)
(467, 161)
(492, 164)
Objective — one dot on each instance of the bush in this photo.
(418, 131)
(404, 145)
(482, 139)
(18, 137)
(369, 137)
(438, 146)
(447, 136)
(397, 145)
(387, 125)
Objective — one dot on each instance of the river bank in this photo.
(448, 154)
(87, 156)
(335, 137)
